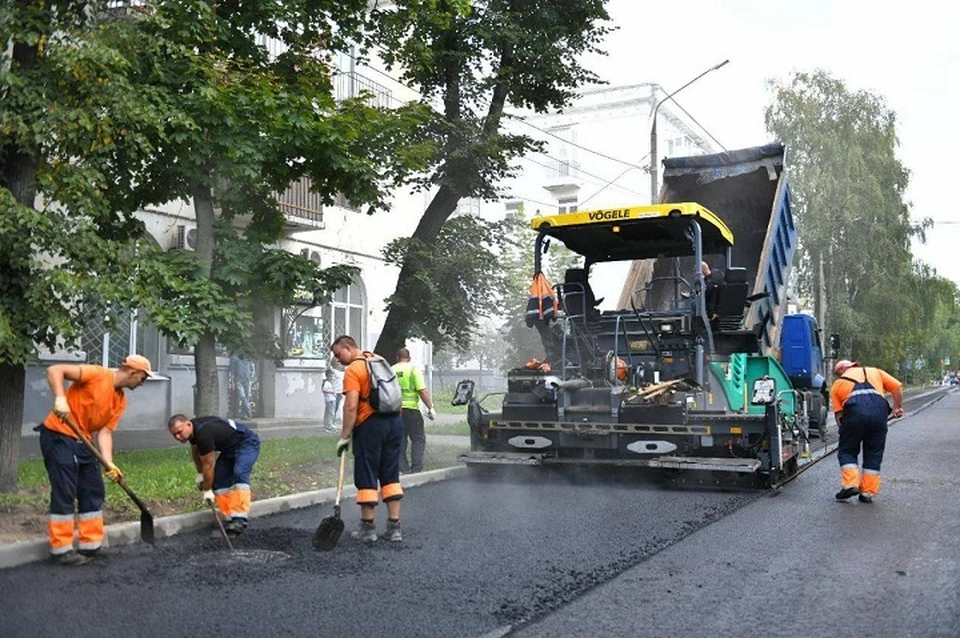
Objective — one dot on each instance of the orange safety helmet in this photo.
(621, 369)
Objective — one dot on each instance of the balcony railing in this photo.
(350, 84)
(302, 208)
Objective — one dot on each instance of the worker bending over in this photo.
(94, 402)
(861, 413)
(224, 452)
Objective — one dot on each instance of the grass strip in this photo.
(164, 478)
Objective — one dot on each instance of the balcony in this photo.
(302, 208)
(563, 179)
(350, 84)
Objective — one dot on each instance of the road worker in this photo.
(94, 402)
(414, 391)
(861, 412)
(224, 452)
(376, 444)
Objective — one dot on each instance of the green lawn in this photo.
(164, 479)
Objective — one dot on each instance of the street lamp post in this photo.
(653, 132)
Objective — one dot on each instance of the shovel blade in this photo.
(146, 527)
(328, 533)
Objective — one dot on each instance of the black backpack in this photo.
(865, 403)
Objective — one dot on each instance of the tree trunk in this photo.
(396, 328)
(208, 381)
(11, 421)
(207, 397)
(19, 175)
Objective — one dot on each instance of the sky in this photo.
(906, 53)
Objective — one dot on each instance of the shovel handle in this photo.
(90, 446)
(146, 519)
(343, 464)
(103, 461)
(219, 517)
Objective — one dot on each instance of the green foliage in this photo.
(254, 119)
(473, 59)
(476, 57)
(848, 192)
(455, 280)
(69, 113)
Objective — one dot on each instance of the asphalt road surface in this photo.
(559, 554)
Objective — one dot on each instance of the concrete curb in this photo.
(128, 533)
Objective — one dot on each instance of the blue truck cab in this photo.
(801, 353)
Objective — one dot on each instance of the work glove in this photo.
(208, 498)
(114, 473)
(431, 414)
(60, 407)
(342, 446)
(199, 481)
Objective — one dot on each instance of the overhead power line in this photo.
(610, 183)
(580, 146)
(602, 180)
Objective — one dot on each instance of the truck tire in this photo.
(818, 415)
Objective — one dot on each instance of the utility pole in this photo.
(654, 177)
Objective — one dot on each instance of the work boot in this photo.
(70, 559)
(393, 532)
(366, 533)
(103, 553)
(846, 493)
(235, 527)
(865, 498)
(227, 529)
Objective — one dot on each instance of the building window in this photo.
(567, 205)
(306, 333)
(309, 330)
(469, 206)
(513, 208)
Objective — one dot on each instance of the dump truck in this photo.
(685, 373)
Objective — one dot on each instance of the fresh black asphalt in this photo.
(552, 554)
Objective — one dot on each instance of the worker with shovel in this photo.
(224, 452)
(93, 402)
(376, 444)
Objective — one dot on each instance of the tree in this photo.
(848, 193)
(459, 280)
(474, 58)
(68, 112)
(170, 100)
(254, 116)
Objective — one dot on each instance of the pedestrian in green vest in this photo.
(414, 391)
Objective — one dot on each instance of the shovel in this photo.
(330, 528)
(146, 518)
(216, 515)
